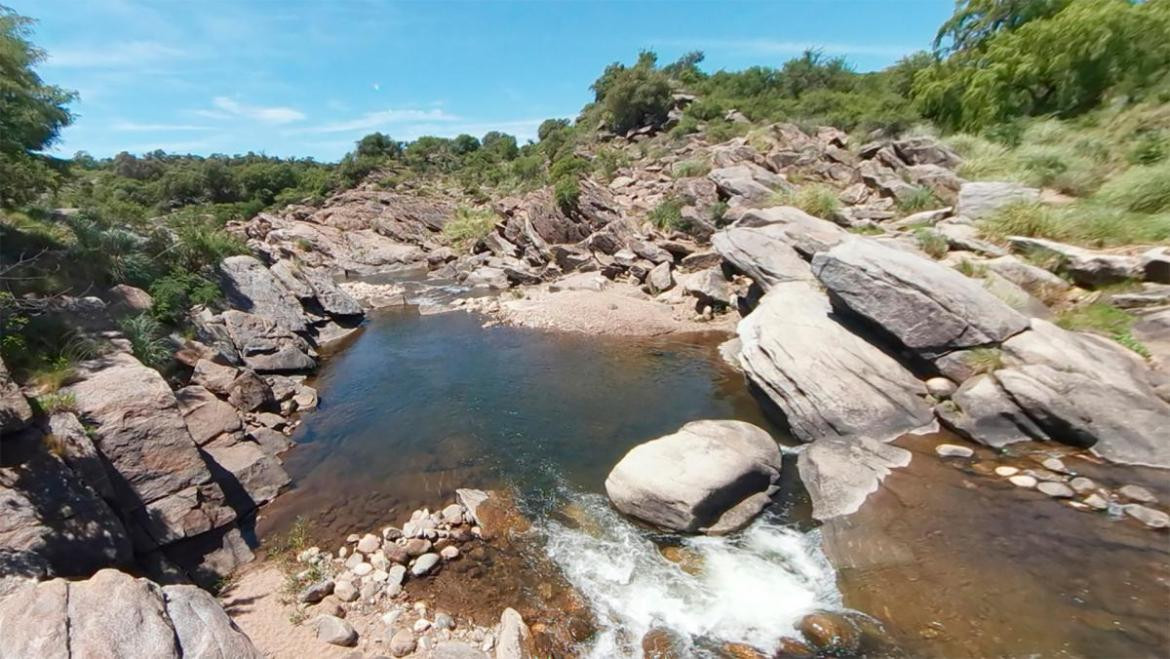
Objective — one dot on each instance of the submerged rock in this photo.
(840, 473)
(710, 476)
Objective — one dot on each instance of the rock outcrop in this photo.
(710, 476)
(15, 412)
(840, 473)
(826, 380)
(250, 287)
(112, 614)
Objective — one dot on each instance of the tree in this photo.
(378, 145)
(976, 21)
(500, 145)
(812, 70)
(464, 144)
(635, 96)
(32, 113)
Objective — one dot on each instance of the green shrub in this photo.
(1148, 148)
(1062, 167)
(1142, 189)
(1021, 219)
(690, 168)
(971, 269)
(815, 199)
(668, 216)
(983, 159)
(984, 360)
(176, 293)
(528, 168)
(567, 194)
(58, 401)
(469, 225)
(920, 199)
(1102, 318)
(685, 126)
(146, 339)
(932, 242)
(1090, 223)
(718, 210)
(706, 109)
(608, 161)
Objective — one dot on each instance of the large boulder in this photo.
(763, 253)
(250, 286)
(826, 380)
(206, 416)
(112, 614)
(982, 411)
(1037, 281)
(161, 482)
(265, 345)
(981, 199)
(332, 299)
(747, 180)
(840, 474)
(927, 306)
(710, 476)
(47, 510)
(257, 472)
(807, 234)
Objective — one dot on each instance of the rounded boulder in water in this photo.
(710, 476)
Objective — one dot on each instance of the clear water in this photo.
(420, 405)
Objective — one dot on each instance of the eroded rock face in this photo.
(112, 614)
(710, 476)
(15, 412)
(1085, 266)
(265, 345)
(161, 481)
(827, 381)
(840, 473)
(928, 307)
(807, 234)
(251, 287)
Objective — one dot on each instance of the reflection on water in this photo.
(420, 405)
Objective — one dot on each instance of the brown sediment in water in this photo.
(957, 563)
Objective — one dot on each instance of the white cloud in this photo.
(134, 54)
(135, 127)
(227, 108)
(776, 47)
(381, 118)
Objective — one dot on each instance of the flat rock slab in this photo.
(840, 473)
(827, 381)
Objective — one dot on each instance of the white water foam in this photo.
(753, 588)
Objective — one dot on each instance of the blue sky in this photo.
(292, 77)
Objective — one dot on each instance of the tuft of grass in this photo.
(1102, 318)
(689, 168)
(53, 376)
(58, 401)
(1021, 219)
(1086, 223)
(146, 339)
(932, 242)
(1142, 189)
(983, 159)
(920, 199)
(971, 269)
(55, 445)
(984, 360)
(469, 225)
(1064, 167)
(866, 230)
(668, 216)
(816, 199)
(284, 548)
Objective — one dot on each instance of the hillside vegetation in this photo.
(1068, 95)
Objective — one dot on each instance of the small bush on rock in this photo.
(469, 225)
(689, 168)
(146, 339)
(932, 242)
(920, 199)
(1103, 318)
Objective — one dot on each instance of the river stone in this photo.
(1056, 490)
(687, 480)
(514, 640)
(402, 643)
(1155, 519)
(1006, 471)
(344, 590)
(927, 306)
(840, 473)
(396, 575)
(265, 345)
(708, 286)
(1137, 493)
(981, 199)
(1081, 485)
(762, 253)
(217, 378)
(369, 543)
(487, 277)
(953, 451)
(830, 632)
(940, 387)
(335, 631)
(1086, 267)
(249, 286)
(316, 592)
(424, 564)
(249, 392)
(1097, 502)
(827, 381)
(1023, 480)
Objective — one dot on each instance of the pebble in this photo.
(345, 590)
(421, 625)
(335, 631)
(953, 451)
(1137, 493)
(1054, 464)
(1058, 490)
(396, 574)
(342, 551)
(444, 621)
(352, 538)
(1006, 471)
(1097, 502)
(1155, 519)
(1044, 475)
(450, 553)
(362, 569)
(453, 514)
(379, 561)
(830, 632)
(391, 533)
(417, 547)
(308, 554)
(940, 387)
(369, 543)
(402, 643)
(1023, 480)
(370, 590)
(391, 616)
(380, 576)
(354, 560)
(424, 564)
(316, 592)
(1082, 484)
